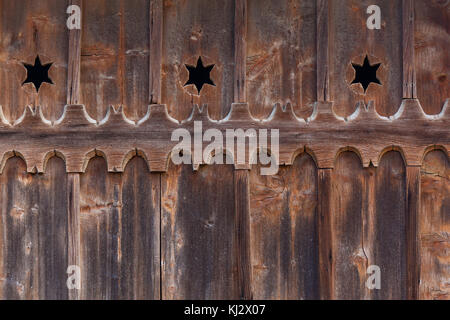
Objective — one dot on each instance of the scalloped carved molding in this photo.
(76, 137)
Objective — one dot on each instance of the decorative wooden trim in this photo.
(77, 137)
(323, 86)
(74, 62)
(409, 76)
(156, 35)
(240, 50)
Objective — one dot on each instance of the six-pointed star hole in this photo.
(37, 73)
(199, 75)
(366, 74)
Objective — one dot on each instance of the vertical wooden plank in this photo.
(100, 210)
(242, 233)
(198, 230)
(139, 251)
(350, 41)
(34, 232)
(409, 75)
(240, 50)
(284, 234)
(156, 38)
(431, 54)
(388, 227)
(326, 259)
(434, 230)
(348, 190)
(281, 57)
(412, 216)
(119, 232)
(115, 57)
(194, 29)
(28, 29)
(322, 16)
(73, 70)
(73, 228)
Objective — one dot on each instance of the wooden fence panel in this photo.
(115, 57)
(284, 234)
(25, 27)
(198, 225)
(432, 57)
(434, 227)
(33, 224)
(194, 29)
(281, 55)
(350, 41)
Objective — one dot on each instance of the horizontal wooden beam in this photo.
(76, 137)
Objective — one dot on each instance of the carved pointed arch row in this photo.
(76, 137)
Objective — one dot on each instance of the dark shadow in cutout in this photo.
(199, 75)
(366, 73)
(37, 73)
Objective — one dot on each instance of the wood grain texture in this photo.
(119, 221)
(191, 29)
(74, 63)
(281, 56)
(198, 224)
(434, 227)
(348, 199)
(240, 50)
(325, 245)
(431, 54)
(33, 224)
(388, 227)
(350, 41)
(322, 33)
(284, 232)
(156, 39)
(409, 72)
(26, 28)
(76, 137)
(412, 237)
(115, 56)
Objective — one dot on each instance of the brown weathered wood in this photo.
(119, 221)
(323, 83)
(73, 228)
(115, 56)
(350, 41)
(409, 74)
(347, 198)
(34, 232)
(198, 225)
(412, 220)
(26, 28)
(140, 233)
(73, 67)
(284, 232)
(326, 259)
(191, 29)
(431, 54)
(75, 136)
(434, 228)
(156, 39)
(389, 227)
(240, 50)
(281, 56)
(242, 234)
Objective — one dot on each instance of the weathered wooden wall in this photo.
(308, 232)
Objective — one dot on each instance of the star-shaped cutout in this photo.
(37, 74)
(199, 75)
(366, 73)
